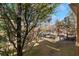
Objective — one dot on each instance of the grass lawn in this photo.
(62, 48)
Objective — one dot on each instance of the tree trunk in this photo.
(75, 8)
(19, 47)
(18, 21)
(77, 41)
(67, 36)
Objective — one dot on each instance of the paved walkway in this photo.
(52, 40)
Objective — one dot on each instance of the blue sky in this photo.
(60, 13)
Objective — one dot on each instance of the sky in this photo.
(62, 11)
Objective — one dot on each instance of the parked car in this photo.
(71, 37)
(47, 35)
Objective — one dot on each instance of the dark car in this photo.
(71, 37)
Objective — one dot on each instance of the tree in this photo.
(59, 26)
(69, 25)
(21, 19)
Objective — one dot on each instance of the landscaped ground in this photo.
(47, 48)
(61, 48)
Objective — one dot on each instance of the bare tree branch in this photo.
(8, 32)
(26, 33)
(10, 22)
(6, 16)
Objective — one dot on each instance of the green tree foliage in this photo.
(69, 24)
(21, 19)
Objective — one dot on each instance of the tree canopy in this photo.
(21, 19)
